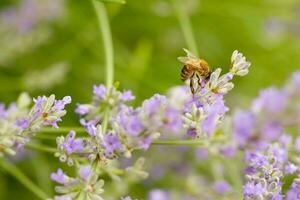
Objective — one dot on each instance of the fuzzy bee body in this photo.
(196, 70)
(200, 68)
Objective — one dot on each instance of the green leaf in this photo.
(113, 1)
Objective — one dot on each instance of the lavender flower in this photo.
(129, 121)
(270, 100)
(86, 186)
(111, 143)
(239, 65)
(59, 177)
(20, 122)
(253, 190)
(264, 181)
(68, 146)
(206, 109)
(294, 191)
(126, 198)
(297, 144)
(220, 85)
(82, 109)
(48, 111)
(159, 195)
(222, 187)
(99, 91)
(203, 119)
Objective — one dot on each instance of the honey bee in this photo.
(196, 70)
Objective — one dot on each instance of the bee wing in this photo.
(189, 54)
(183, 59)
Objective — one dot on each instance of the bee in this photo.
(195, 70)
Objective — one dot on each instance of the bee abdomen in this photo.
(185, 73)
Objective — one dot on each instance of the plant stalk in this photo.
(185, 25)
(22, 178)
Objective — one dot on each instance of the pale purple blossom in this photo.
(272, 130)
(59, 177)
(145, 142)
(221, 187)
(82, 109)
(296, 79)
(271, 100)
(100, 91)
(297, 144)
(127, 96)
(294, 192)
(90, 126)
(173, 120)
(23, 123)
(151, 106)
(253, 190)
(290, 168)
(243, 126)
(129, 121)
(111, 143)
(85, 172)
(60, 104)
(73, 144)
(2, 111)
(126, 198)
(159, 195)
(214, 112)
(192, 132)
(228, 151)
(202, 153)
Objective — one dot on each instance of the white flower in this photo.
(240, 66)
(194, 118)
(220, 85)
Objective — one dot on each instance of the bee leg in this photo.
(199, 81)
(192, 84)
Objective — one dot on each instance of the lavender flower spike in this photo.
(86, 186)
(239, 65)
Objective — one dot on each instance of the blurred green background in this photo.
(63, 53)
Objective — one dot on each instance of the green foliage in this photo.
(113, 1)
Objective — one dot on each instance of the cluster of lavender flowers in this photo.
(270, 152)
(274, 110)
(268, 169)
(265, 173)
(86, 186)
(19, 122)
(205, 110)
(116, 129)
(126, 128)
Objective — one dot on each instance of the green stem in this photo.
(196, 142)
(41, 147)
(22, 178)
(103, 23)
(179, 142)
(45, 137)
(105, 121)
(185, 25)
(104, 26)
(62, 129)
